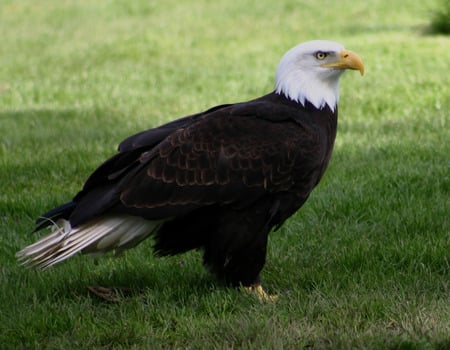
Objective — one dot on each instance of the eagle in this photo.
(218, 181)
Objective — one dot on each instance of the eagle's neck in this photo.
(302, 87)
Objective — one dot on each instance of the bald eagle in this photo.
(218, 181)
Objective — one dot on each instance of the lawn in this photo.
(364, 264)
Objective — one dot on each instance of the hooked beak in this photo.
(348, 60)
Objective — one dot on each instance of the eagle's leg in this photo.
(241, 268)
(259, 291)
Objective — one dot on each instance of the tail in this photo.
(97, 236)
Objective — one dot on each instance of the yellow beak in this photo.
(348, 60)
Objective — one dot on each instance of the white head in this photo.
(311, 71)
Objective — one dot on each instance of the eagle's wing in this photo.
(229, 155)
(226, 157)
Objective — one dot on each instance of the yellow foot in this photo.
(110, 294)
(261, 293)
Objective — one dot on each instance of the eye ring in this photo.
(320, 55)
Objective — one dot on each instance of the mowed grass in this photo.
(364, 264)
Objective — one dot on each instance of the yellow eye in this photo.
(321, 55)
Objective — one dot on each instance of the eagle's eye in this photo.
(320, 55)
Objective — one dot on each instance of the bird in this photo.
(219, 181)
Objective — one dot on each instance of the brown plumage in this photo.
(218, 181)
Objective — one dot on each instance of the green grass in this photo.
(364, 264)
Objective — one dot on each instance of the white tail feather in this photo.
(95, 237)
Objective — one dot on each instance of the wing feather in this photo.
(231, 154)
(221, 159)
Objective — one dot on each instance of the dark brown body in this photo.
(222, 179)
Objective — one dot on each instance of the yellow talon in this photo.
(261, 293)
